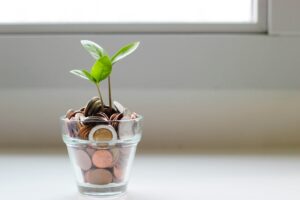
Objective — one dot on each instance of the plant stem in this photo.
(109, 93)
(100, 96)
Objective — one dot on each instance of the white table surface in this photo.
(39, 175)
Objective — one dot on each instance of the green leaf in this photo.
(124, 51)
(101, 69)
(94, 49)
(89, 76)
(79, 73)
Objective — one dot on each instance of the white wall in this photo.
(284, 17)
(194, 90)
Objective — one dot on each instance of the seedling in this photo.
(102, 67)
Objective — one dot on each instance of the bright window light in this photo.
(126, 11)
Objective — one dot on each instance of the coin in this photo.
(98, 176)
(102, 159)
(118, 173)
(103, 133)
(92, 107)
(84, 132)
(79, 117)
(113, 116)
(69, 114)
(94, 120)
(82, 159)
(102, 114)
(115, 121)
(119, 107)
(73, 127)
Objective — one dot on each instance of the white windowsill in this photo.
(48, 175)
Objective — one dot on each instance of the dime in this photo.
(102, 159)
(98, 176)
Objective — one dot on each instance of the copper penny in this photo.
(102, 159)
(98, 176)
(84, 132)
(69, 114)
(118, 173)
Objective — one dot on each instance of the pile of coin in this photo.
(102, 166)
(101, 123)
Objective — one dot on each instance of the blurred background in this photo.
(208, 74)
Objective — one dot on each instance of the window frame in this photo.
(260, 26)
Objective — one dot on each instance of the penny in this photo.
(72, 115)
(115, 121)
(102, 159)
(133, 115)
(113, 116)
(69, 114)
(118, 173)
(98, 176)
(102, 133)
(82, 159)
(84, 132)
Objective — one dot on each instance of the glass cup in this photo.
(102, 154)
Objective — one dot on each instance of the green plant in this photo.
(102, 67)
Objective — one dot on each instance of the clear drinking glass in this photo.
(102, 168)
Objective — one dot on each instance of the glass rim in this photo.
(138, 118)
(128, 141)
(68, 140)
